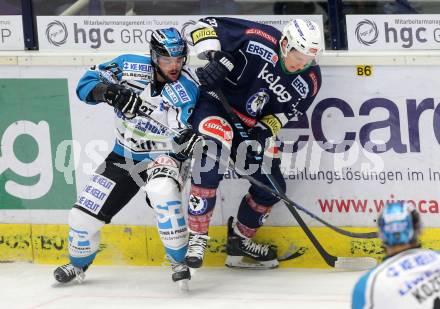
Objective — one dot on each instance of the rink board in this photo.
(383, 133)
(51, 143)
(141, 246)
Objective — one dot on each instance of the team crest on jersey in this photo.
(262, 51)
(301, 86)
(257, 101)
(217, 128)
(197, 205)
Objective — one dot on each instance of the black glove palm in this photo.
(216, 70)
(257, 136)
(123, 99)
(185, 143)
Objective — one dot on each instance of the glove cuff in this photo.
(99, 93)
(271, 123)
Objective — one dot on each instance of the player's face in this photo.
(296, 60)
(171, 66)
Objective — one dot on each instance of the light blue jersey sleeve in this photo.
(110, 72)
(359, 292)
(182, 96)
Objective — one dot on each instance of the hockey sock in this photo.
(200, 207)
(251, 216)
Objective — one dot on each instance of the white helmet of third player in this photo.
(302, 35)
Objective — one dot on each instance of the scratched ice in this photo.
(28, 286)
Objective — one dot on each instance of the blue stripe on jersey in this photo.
(358, 298)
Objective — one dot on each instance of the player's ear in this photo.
(284, 43)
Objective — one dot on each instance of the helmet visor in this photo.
(295, 60)
(170, 62)
(300, 57)
(170, 67)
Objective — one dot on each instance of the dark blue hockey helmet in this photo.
(399, 224)
(167, 42)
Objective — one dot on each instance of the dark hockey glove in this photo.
(185, 143)
(123, 99)
(216, 70)
(257, 136)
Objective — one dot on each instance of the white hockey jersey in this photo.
(408, 280)
(141, 138)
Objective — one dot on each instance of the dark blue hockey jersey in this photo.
(259, 88)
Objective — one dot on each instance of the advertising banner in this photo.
(364, 141)
(11, 32)
(35, 121)
(131, 33)
(393, 32)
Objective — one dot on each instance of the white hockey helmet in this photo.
(302, 35)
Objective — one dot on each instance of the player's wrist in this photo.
(98, 93)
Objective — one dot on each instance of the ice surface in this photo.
(25, 285)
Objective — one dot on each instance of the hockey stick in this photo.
(333, 261)
(277, 193)
(292, 252)
(276, 188)
(354, 263)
